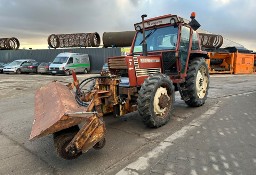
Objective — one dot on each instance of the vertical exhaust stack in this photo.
(144, 44)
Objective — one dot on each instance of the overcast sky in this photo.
(32, 21)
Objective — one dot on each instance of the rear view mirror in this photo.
(194, 24)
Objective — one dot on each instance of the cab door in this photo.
(24, 66)
(70, 64)
(184, 48)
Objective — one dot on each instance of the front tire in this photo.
(61, 141)
(18, 71)
(195, 88)
(99, 145)
(68, 72)
(155, 101)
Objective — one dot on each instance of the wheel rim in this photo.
(67, 72)
(161, 101)
(201, 82)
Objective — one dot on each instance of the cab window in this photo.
(195, 41)
(26, 64)
(185, 33)
(184, 47)
(164, 38)
(70, 60)
(167, 41)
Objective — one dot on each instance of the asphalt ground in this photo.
(127, 140)
(220, 141)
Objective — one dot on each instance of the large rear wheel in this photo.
(155, 101)
(195, 88)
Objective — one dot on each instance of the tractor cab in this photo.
(166, 42)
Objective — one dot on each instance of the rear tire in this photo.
(155, 101)
(195, 88)
(61, 141)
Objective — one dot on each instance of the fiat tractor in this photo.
(165, 57)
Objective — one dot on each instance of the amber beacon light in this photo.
(193, 15)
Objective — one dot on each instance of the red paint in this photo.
(149, 62)
(131, 71)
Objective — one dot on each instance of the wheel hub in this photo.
(161, 101)
(201, 82)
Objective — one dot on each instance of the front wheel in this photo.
(67, 72)
(195, 88)
(100, 144)
(61, 141)
(18, 71)
(155, 101)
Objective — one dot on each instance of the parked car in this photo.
(43, 68)
(2, 67)
(14, 67)
(29, 67)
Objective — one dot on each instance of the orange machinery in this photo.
(254, 62)
(231, 61)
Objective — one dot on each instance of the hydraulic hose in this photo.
(81, 85)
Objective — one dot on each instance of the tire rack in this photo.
(9, 43)
(74, 40)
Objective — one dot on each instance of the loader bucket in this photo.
(53, 103)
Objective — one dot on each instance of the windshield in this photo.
(164, 38)
(15, 63)
(60, 60)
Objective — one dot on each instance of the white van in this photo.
(65, 62)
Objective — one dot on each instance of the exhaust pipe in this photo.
(144, 44)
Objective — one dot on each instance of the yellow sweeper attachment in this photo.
(57, 112)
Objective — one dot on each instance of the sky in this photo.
(32, 21)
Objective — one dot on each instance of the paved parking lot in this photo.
(126, 140)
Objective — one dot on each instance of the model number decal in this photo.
(130, 62)
(146, 60)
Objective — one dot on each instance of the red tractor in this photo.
(165, 56)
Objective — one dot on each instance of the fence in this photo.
(97, 55)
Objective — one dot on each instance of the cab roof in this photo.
(158, 21)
